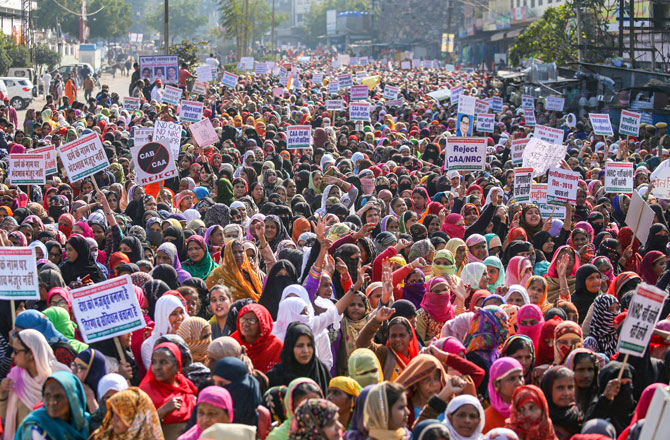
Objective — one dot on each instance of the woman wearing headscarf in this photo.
(380, 418)
(80, 262)
(561, 274)
(132, 247)
(657, 240)
(625, 237)
(465, 407)
(454, 226)
(521, 348)
(436, 309)
(136, 411)
(175, 235)
(200, 263)
(214, 405)
(169, 314)
(527, 424)
(652, 266)
(519, 270)
(60, 318)
(355, 317)
(424, 377)
(588, 281)
(364, 367)
(197, 334)
(459, 250)
(171, 392)
(567, 337)
(505, 376)
(586, 366)
(55, 420)
(254, 332)
(89, 366)
(233, 375)
(602, 334)
(496, 273)
(167, 254)
(275, 232)
(558, 388)
(298, 391)
(615, 401)
(32, 319)
(21, 390)
(537, 292)
(236, 273)
(315, 418)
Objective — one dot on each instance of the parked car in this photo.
(19, 90)
(66, 69)
(29, 74)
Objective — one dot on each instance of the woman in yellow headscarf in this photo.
(236, 273)
(138, 414)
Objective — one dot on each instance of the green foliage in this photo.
(12, 55)
(113, 20)
(185, 21)
(245, 21)
(315, 22)
(551, 39)
(188, 52)
(44, 56)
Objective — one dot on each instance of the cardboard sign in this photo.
(49, 153)
(643, 314)
(640, 217)
(299, 136)
(629, 124)
(142, 135)
(601, 124)
(130, 103)
(529, 116)
(363, 61)
(456, 94)
(191, 111)
(527, 101)
(358, 93)
(204, 73)
(172, 95)
(27, 169)
(229, 80)
(466, 105)
(107, 309)
(523, 179)
(361, 74)
(317, 78)
(246, 63)
(391, 92)
(562, 186)
(548, 134)
(481, 106)
(466, 153)
(541, 155)
(171, 132)
(334, 105)
(538, 196)
(661, 180)
(153, 162)
(516, 149)
(18, 273)
(496, 104)
(163, 67)
(619, 177)
(83, 157)
(345, 80)
(204, 133)
(657, 422)
(261, 68)
(406, 65)
(199, 88)
(333, 87)
(554, 103)
(359, 111)
(395, 102)
(486, 122)
(277, 92)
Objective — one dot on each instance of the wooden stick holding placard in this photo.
(623, 365)
(122, 355)
(13, 306)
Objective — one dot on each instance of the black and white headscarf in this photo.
(602, 324)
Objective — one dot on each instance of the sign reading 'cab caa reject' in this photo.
(466, 153)
(153, 162)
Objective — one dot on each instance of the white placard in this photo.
(562, 186)
(246, 63)
(172, 95)
(199, 88)
(358, 93)
(18, 273)
(516, 150)
(619, 177)
(391, 92)
(130, 103)
(523, 180)
(345, 80)
(643, 314)
(359, 111)
(261, 68)
(527, 101)
(486, 122)
(496, 104)
(204, 73)
(299, 136)
(191, 111)
(229, 80)
(333, 87)
(153, 162)
(548, 134)
(538, 196)
(529, 116)
(334, 105)
(107, 309)
(466, 104)
(465, 153)
(481, 106)
(554, 103)
(541, 155)
(49, 153)
(317, 78)
(142, 135)
(455, 94)
(640, 217)
(169, 131)
(83, 157)
(27, 169)
(601, 124)
(204, 133)
(629, 124)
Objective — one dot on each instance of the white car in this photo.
(19, 91)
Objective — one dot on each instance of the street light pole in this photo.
(166, 26)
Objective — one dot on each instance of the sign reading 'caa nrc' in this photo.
(359, 111)
(485, 122)
(629, 124)
(643, 313)
(153, 162)
(18, 273)
(27, 169)
(562, 186)
(618, 177)
(107, 309)
(299, 136)
(466, 153)
(548, 134)
(541, 155)
(601, 124)
(83, 157)
(169, 131)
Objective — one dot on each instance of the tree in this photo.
(12, 55)
(113, 20)
(44, 56)
(244, 20)
(188, 52)
(315, 22)
(185, 22)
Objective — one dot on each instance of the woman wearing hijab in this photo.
(34, 361)
(364, 367)
(214, 405)
(530, 320)
(60, 318)
(586, 366)
(496, 272)
(175, 235)
(505, 376)
(275, 232)
(89, 366)
(254, 332)
(132, 246)
(315, 418)
(169, 314)
(233, 375)
(454, 226)
(237, 273)
(460, 409)
(615, 403)
(588, 281)
(200, 263)
(567, 337)
(529, 415)
(520, 347)
(80, 262)
(381, 419)
(424, 377)
(167, 254)
(555, 280)
(171, 392)
(55, 420)
(436, 309)
(32, 319)
(657, 240)
(197, 334)
(136, 411)
(602, 334)
(558, 388)
(652, 266)
(355, 318)
(519, 270)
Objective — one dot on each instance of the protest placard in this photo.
(529, 117)
(107, 309)
(83, 157)
(442, 95)
(246, 63)
(464, 124)
(548, 134)
(527, 101)
(142, 135)
(496, 104)
(538, 196)
(361, 74)
(191, 111)
(391, 92)
(554, 103)
(204, 73)
(130, 103)
(169, 131)
(299, 136)
(334, 105)
(27, 169)
(153, 162)
(629, 124)
(486, 122)
(523, 179)
(172, 95)
(353, 61)
(455, 94)
(359, 111)
(163, 67)
(466, 104)
(481, 106)
(516, 150)
(229, 80)
(618, 177)
(345, 80)
(358, 93)
(406, 65)
(541, 155)
(395, 102)
(277, 91)
(639, 217)
(465, 153)
(333, 87)
(261, 68)
(317, 78)
(49, 153)
(601, 124)
(18, 273)
(562, 186)
(203, 132)
(199, 88)
(643, 314)
(657, 421)
(363, 61)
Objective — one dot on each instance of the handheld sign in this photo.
(481, 106)
(27, 169)
(640, 217)
(142, 135)
(548, 134)
(204, 133)
(229, 80)
(107, 309)
(191, 111)
(643, 313)
(619, 177)
(83, 157)
(629, 124)
(172, 95)
(538, 196)
(359, 111)
(169, 131)
(554, 103)
(130, 103)
(358, 93)
(391, 92)
(345, 80)
(527, 101)
(541, 155)
(153, 162)
(496, 104)
(562, 186)
(317, 78)
(199, 88)
(466, 104)
(18, 273)
(466, 153)
(517, 148)
(529, 116)
(299, 136)
(601, 124)
(485, 122)
(261, 68)
(523, 179)
(334, 104)
(333, 87)
(455, 94)
(49, 153)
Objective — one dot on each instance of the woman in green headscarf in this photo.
(364, 367)
(117, 171)
(493, 266)
(224, 191)
(444, 264)
(299, 390)
(71, 135)
(60, 318)
(200, 263)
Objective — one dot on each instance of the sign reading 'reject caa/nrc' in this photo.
(299, 136)
(83, 157)
(466, 153)
(153, 162)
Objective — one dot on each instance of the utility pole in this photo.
(166, 26)
(622, 8)
(631, 18)
(82, 22)
(273, 25)
(580, 41)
